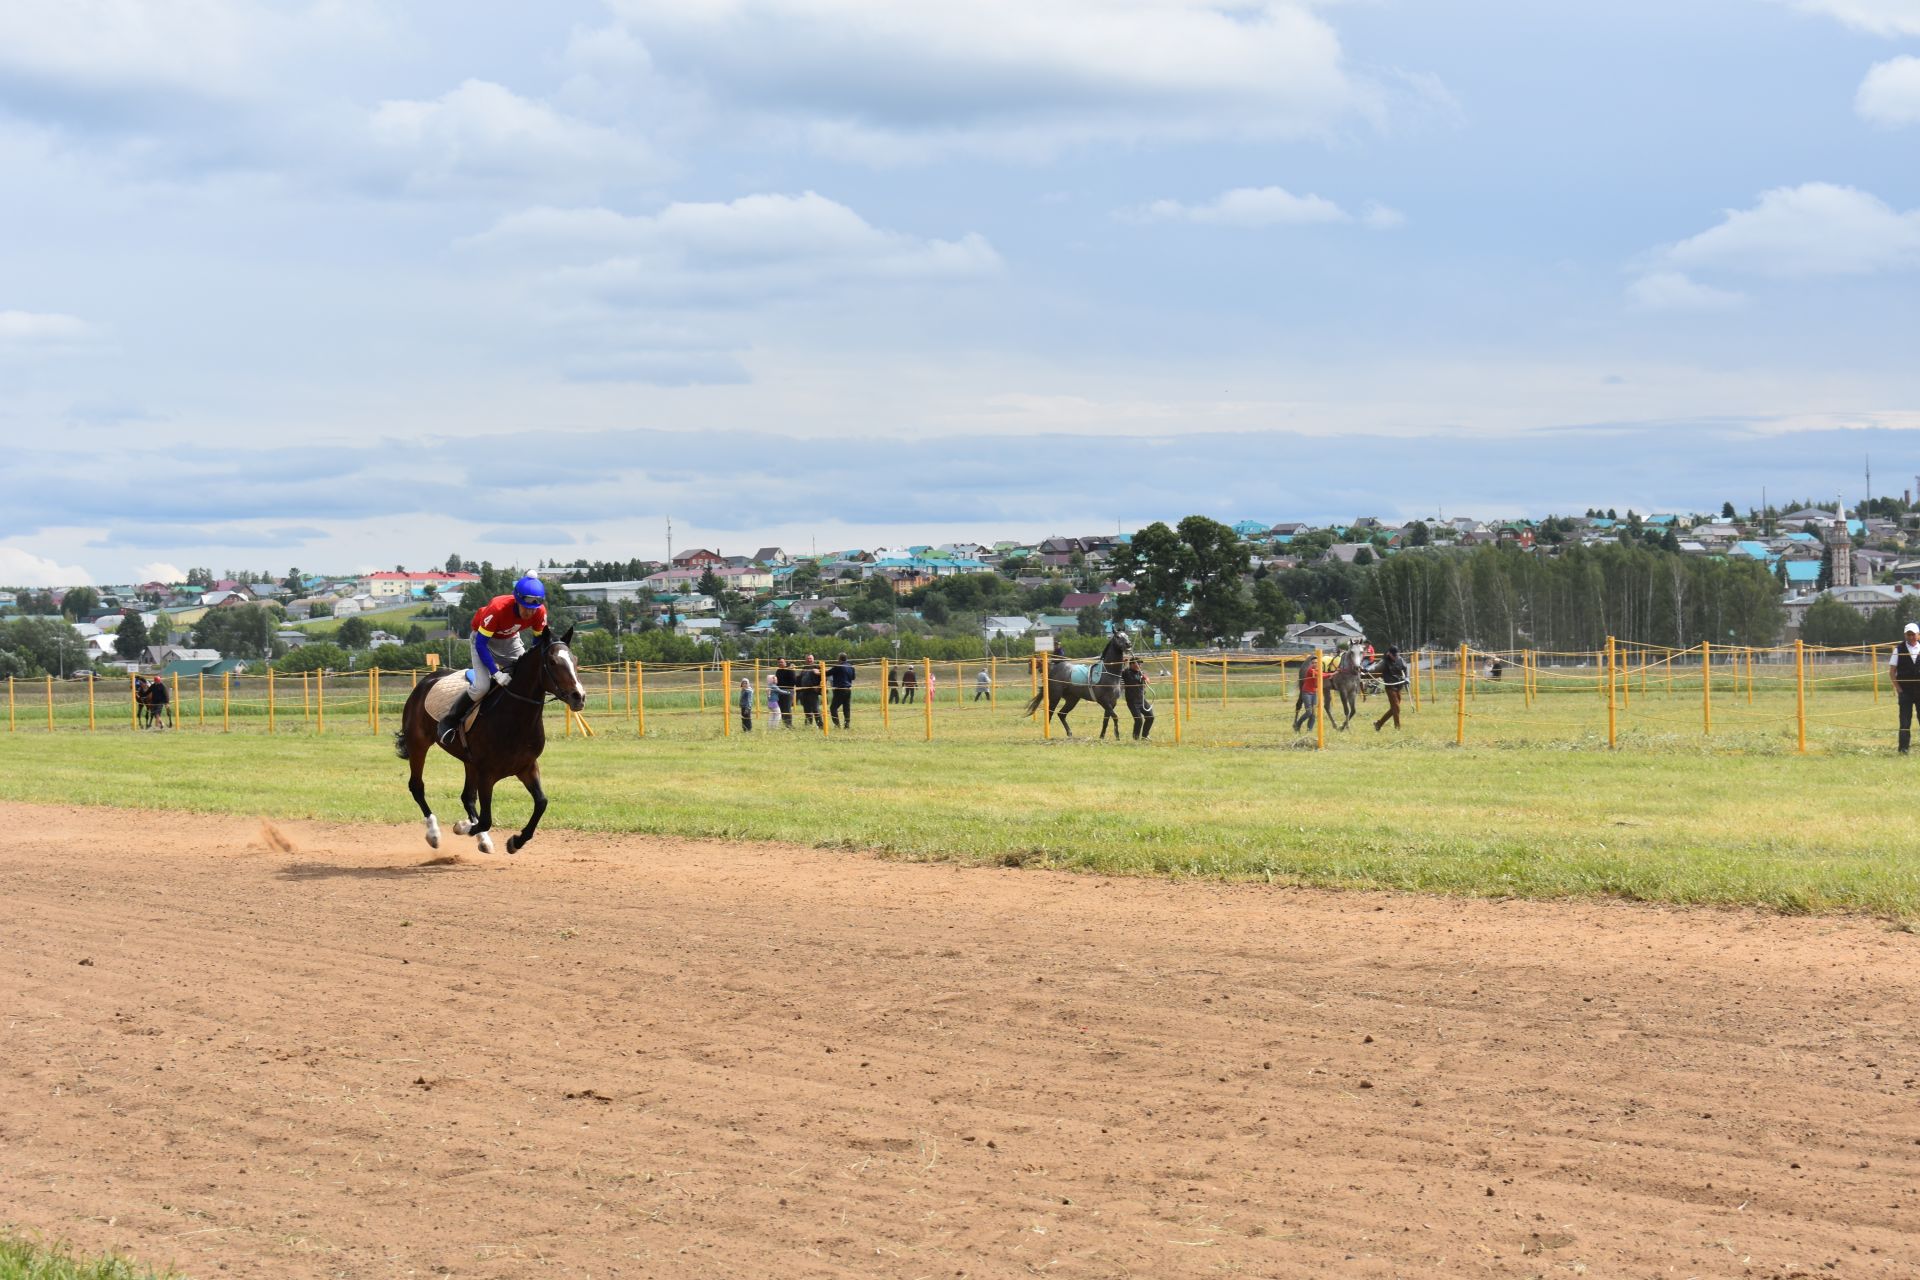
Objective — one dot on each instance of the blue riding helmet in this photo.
(529, 594)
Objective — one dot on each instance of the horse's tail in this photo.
(1034, 705)
(400, 744)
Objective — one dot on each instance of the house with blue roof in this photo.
(1803, 573)
(1751, 549)
(1251, 528)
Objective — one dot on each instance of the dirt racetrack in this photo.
(652, 1058)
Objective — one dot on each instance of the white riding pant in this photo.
(504, 652)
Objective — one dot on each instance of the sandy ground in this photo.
(636, 1057)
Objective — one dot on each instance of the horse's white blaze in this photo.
(433, 832)
(573, 671)
(486, 843)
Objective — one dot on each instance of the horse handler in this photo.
(1905, 664)
(1393, 678)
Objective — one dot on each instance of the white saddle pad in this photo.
(442, 693)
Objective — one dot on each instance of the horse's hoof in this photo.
(433, 834)
(462, 827)
(514, 843)
(486, 843)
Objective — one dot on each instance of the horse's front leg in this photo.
(531, 780)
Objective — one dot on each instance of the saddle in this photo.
(1086, 674)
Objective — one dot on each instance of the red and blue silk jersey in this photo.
(500, 619)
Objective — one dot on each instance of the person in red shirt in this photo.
(497, 627)
(1306, 707)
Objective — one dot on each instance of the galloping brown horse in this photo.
(505, 739)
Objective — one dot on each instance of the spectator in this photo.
(746, 705)
(1904, 664)
(773, 701)
(807, 684)
(893, 683)
(983, 686)
(142, 707)
(785, 677)
(840, 678)
(909, 683)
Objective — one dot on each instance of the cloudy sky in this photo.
(345, 284)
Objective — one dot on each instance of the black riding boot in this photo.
(450, 723)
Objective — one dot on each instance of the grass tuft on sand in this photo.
(22, 1258)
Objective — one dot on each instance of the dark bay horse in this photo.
(505, 740)
(1099, 685)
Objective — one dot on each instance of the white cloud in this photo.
(1381, 217)
(1890, 94)
(910, 78)
(1249, 207)
(482, 134)
(1816, 229)
(722, 253)
(22, 568)
(1881, 17)
(41, 327)
(159, 571)
(1674, 291)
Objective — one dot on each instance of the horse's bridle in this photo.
(545, 693)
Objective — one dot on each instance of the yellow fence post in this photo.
(226, 702)
(1736, 676)
(1176, 697)
(1800, 693)
(726, 682)
(320, 699)
(639, 699)
(49, 704)
(89, 705)
(133, 706)
(1626, 673)
(1321, 704)
(1043, 680)
(269, 699)
(1460, 701)
(886, 699)
(959, 687)
(926, 683)
(702, 673)
(1706, 684)
(201, 700)
(1612, 672)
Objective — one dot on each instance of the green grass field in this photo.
(24, 1259)
(1535, 805)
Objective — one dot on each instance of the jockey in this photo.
(497, 625)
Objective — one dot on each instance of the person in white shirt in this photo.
(1904, 665)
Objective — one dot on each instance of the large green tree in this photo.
(245, 631)
(130, 640)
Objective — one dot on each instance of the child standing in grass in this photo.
(773, 702)
(746, 705)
